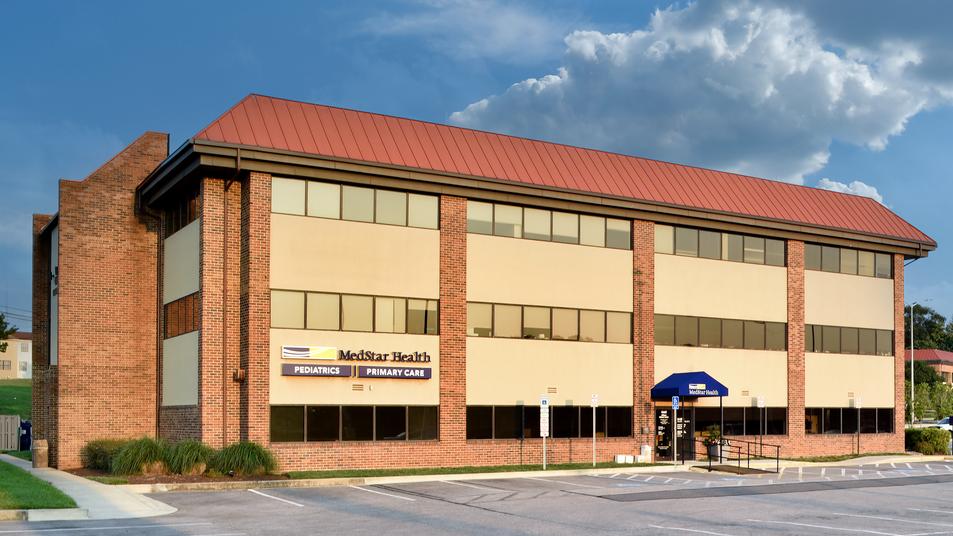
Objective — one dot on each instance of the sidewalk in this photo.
(99, 501)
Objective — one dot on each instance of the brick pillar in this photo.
(44, 376)
(453, 319)
(795, 344)
(256, 306)
(211, 336)
(643, 329)
(900, 409)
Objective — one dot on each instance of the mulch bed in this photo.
(175, 479)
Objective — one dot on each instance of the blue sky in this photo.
(802, 91)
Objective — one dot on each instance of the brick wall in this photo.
(796, 364)
(107, 305)
(256, 306)
(900, 401)
(179, 422)
(453, 321)
(44, 402)
(643, 329)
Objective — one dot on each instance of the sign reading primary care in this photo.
(328, 353)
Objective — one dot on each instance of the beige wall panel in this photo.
(353, 257)
(506, 371)
(316, 390)
(531, 272)
(761, 373)
(721, 289)
(828, 378)
(180, 263)
(180, 370)
(847, 300)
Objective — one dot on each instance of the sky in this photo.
(854, 95)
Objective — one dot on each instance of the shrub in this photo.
(244, 458)
(99, 454)
(189, 457)
(927, 440)
(145, 455)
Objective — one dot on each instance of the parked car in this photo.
(943, 423)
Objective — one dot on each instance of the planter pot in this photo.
(713, 452)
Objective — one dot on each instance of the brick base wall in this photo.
(179, 422)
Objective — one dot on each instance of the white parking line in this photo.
(908, 466)
(928, 510)
(256, 492)
(561, 482)
(669, 480)
(382, 493)
(810, 525)
(696, 531)
(649, 478)
(120, 527)
(615, 475)
(883, 518)
(823, 471)
(843, 472)
(474, 486)
(633, 477)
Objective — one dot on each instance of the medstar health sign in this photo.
(328, 353)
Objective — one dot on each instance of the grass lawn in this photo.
(22, 454)
(15, 397)
(360, 473)
(19, 490)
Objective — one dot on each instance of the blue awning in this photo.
(689, 384)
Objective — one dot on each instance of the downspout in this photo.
(225, 318)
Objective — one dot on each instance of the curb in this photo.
(370, 481)
(45, 514)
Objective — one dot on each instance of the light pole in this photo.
(913, 415)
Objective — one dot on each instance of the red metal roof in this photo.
(930, 354)
(286, 125)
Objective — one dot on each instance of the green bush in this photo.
(144, 455)
(927, 440)
(244, 458)
(189, 457)
(99, 454)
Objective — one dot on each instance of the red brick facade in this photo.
(643, 330)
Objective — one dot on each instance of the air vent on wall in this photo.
(745, 393)
(357, 386)
(551, 390)
(850, 394)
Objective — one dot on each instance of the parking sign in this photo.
(675, 402)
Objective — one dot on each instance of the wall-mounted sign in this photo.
(331, 353)
(294, 369)
(402, 373)
(309, 352)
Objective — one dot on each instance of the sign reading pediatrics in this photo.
(330, 353)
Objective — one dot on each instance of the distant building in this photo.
(17, 360)
(940, 360)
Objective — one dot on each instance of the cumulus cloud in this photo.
(855, 187)
(752, 88)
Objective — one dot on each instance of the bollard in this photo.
(41, 454)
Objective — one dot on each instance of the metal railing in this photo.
(739, 452)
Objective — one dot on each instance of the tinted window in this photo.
(357, 204)
(479, 217)
(868, 342)
(754, 250)
(479, 319)
(390, 423)
(565, 228)
(507, 221)
(686, 331)
(537, 224)
(831, 340)
(618, 421)
(391, 207)
(884, 342)
(506, 321)
(618, 327)
(422, 422)
(812, 256)
(357, 313)
(830, 259)
(357, 423)
(287, 423)
(709, 245)
(508, 422)
(664, 239)
(422, 211)
(849, 341)
(732, 334)
(865, 263)
(732, 247)
(774, 252)
(390, 315)
(287, 196)
(592, 326)
(848, 261)
(754, 335)
(618, 234)
(324, 200)
(665, 330)
(422, 317)
(885, 420)
(566, 324)
(709, 332)
(592, 231)
(536, 323)
(287, 309)
(882, 266)
(324, 311)
(324, 423)
(479, 422)
(686, 242)
(775, 336)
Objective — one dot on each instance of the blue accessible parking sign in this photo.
(675, 402)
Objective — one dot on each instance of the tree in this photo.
(930, 330)
(6, 331)
(924, 374)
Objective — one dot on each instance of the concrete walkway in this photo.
(100, 501)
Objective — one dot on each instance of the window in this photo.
(885, 420)
(868, 420)
(479, 422)
(508, 422)
(422, 422)
(592, 326)
(848, 261)
(391, 207)
(353, 423)
(775, 336)
(884, 342)
(507, 320)
(830, 259)
(357, 204)
(6, 364)
(865, 263)
(565, 421)
(479, 320)
(754, 335)
(618, 421)
(357, 423)
(848, 418)
(849, 340)
(324, 311)
(390, 315)
(287, 423)
(732, 334)
(592, 231)
(357, 313)
(323, 423)
(686, 242)
(812, 257)
(180, 316)
(479, 217)
(618, 327)
(774, 252)
(733, 248)
(618, 234)
(390, 423)
(709, 332)
(181, 212)
(882, 266)
(324, 200)
(287, 196)
(566, 324)
(422, 317)
(536, 323)
(830, 343)
(664, 239)
(665, 330)
(522, 422)
(754, 250)
(686, 331)
(868, 342)
(565, 228)
(508, 221)
(709, 245)
(423, 211)
(287, 309)
(813, 419)
(831, 417)
(538, 224)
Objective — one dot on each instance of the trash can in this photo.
(26, 435)
(41, 454)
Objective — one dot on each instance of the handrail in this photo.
(741, 451)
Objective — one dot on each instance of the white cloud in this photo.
(469, 29)
(855, 187)
(734, 85)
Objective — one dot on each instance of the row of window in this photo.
(548, 225)
(5, 365)
(522, 422)
(671, 330)
(354, 203)
(717, 245)
(740, 420)
(181, 316)
(839, 340)
(181, 212)
(352, 312)
(353, 423)
(845, 420)
(847, 261)
(545, 323)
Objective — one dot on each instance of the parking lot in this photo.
(888, 499)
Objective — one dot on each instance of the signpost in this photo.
(544, 423)
(675, 404)
(762, 422)
(594, 404)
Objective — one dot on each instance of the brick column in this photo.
(256, 306)
(44, 376)
(643, 329)
(453, 319)
(795, 252)
(900, 409)
(211, 311)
